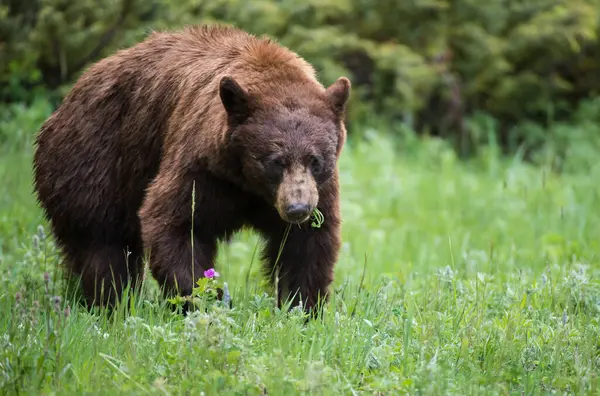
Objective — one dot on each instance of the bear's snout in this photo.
(297, 195)
(298, 212)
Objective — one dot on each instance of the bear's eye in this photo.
(274, 163)
(315, 164)
(278, 162)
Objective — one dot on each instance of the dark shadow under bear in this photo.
(239, 119)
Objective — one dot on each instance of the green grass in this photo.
(480, 277)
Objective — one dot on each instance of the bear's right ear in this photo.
(235, 100)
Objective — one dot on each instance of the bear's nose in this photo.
(297, 212)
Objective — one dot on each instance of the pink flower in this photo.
(211, 273)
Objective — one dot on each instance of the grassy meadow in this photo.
(456, 277)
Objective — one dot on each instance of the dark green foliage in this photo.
(46, 43)
(429, 63)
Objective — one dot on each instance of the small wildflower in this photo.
(56, 300)
(46, 282)
(211, 273)
(226, 295)
(41, 232)
(565, 318)
(18, 297)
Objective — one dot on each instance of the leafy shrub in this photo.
(48, 42)
(432, 64)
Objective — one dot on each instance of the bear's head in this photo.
(287, 148)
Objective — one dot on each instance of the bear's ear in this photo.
(338, 94)
(235, 100)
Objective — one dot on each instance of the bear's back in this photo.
(200, 55)
(110, 134)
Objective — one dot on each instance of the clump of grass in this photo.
(317, 218)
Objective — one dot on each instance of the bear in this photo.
(237, 122)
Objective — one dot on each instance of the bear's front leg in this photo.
(166, 221)
(306, 263)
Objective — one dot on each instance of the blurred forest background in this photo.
(526, 70)
(470, 204)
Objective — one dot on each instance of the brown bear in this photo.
(240, 121)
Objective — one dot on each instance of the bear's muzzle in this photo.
(297, 195)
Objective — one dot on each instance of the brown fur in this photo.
(240, 118)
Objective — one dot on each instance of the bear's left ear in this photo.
(338, 94)
(235, 99)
